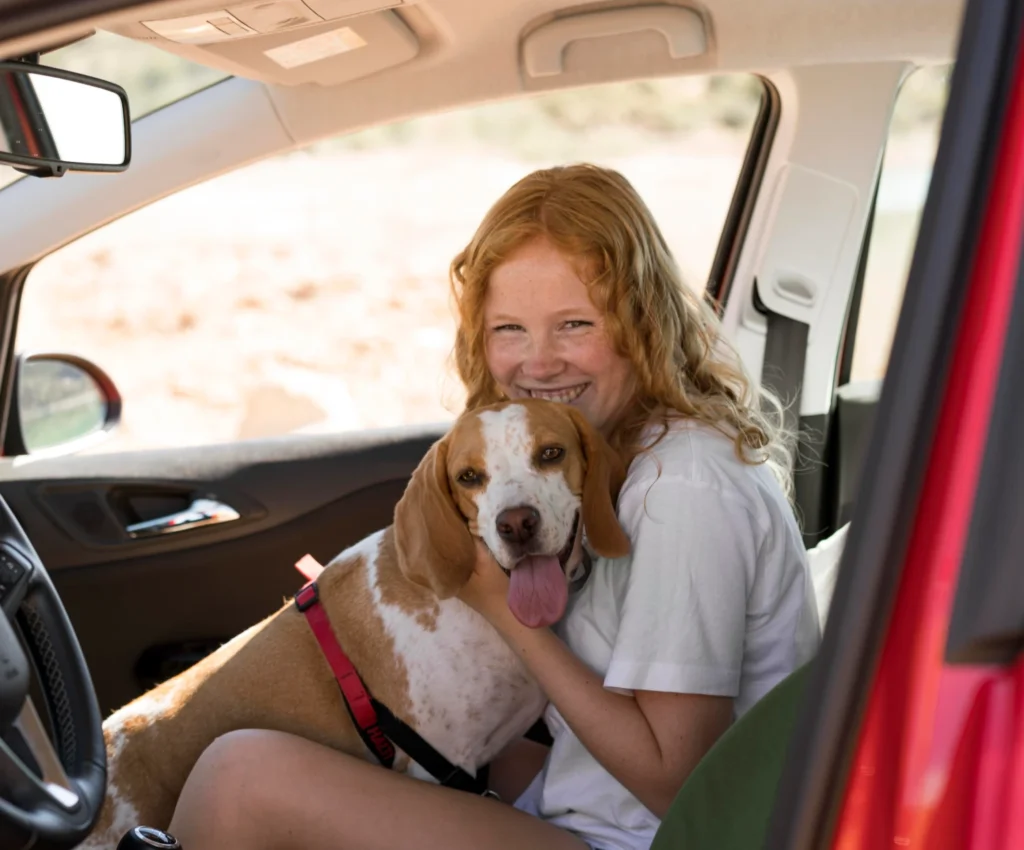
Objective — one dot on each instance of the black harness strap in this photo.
(379, 729)
(411, 742)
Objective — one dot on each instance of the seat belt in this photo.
(782, 370)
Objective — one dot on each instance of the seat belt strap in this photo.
(785, 355)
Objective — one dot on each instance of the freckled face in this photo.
(546, 339)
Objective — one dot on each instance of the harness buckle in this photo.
(307, 597)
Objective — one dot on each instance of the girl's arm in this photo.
(650, 742)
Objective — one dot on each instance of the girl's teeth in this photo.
(562, 396)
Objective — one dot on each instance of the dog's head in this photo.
(526, 477)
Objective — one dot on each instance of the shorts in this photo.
(529, 802)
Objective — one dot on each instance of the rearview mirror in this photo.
(52, 121)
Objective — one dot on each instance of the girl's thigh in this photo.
(257, 789)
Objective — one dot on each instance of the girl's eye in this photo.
(573, 324)
(500, 328)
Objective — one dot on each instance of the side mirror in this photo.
(53, 121)
(62, 404)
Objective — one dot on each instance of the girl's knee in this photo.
(236, 764)
(240, 752)
(228, 791)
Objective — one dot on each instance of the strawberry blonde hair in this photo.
(683, 366)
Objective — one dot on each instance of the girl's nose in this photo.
(542, 362)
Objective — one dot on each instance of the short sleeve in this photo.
(682, 624)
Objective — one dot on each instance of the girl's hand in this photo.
(487, 588)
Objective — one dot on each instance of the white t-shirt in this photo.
(715, 598)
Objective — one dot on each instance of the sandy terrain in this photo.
(310, 292)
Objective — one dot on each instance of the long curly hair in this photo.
(684, 367)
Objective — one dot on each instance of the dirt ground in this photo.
(309, 293)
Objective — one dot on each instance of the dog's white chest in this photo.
(469, 692)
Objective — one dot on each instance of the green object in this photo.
(727, 802)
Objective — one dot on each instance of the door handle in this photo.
(201, 513)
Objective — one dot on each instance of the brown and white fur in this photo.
(392, 602)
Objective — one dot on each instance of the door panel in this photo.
(145, 608)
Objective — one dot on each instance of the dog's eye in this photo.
(551, 454)
(468, 477)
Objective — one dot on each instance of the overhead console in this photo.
(267, 16)
(288, 42)
(329, 42)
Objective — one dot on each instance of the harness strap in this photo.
(379, 729)
(409, 740)
(353, 691)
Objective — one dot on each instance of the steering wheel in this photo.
(51, 792)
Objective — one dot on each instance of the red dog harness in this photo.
(377, 726)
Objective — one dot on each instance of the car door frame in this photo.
(839, 788)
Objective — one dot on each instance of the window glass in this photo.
(152, 77)
(902, 188)
(309, 292)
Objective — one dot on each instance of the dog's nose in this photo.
(517, 525)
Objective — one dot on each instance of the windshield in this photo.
(152, 77)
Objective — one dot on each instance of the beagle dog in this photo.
(527, 477)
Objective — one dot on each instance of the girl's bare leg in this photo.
(262, 790)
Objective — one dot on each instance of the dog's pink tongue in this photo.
(538, 592)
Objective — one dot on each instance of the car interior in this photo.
(787, 277)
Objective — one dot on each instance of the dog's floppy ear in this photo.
(433, 543)
(605, 476)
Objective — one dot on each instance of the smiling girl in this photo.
(568, 292)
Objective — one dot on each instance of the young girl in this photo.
(568, 292)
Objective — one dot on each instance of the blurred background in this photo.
(309, 292)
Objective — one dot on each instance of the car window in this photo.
(151, 77)
(902, 188)
(309, 292)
